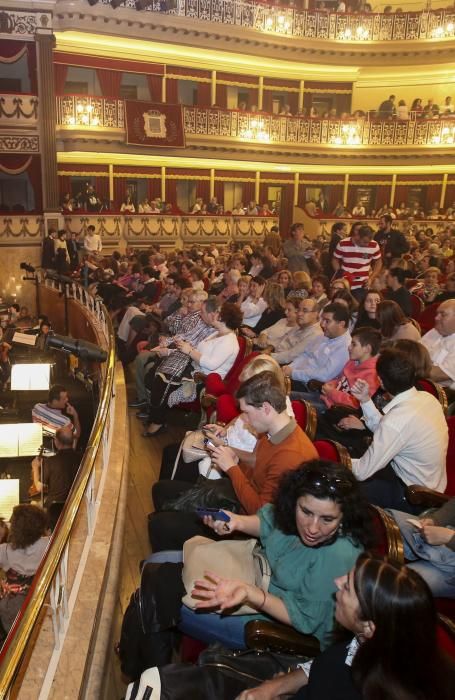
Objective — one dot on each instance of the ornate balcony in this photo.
(234, 127)
(312, 24)
(18, 110)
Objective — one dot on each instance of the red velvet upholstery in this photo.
(450, 461)
(216, 386)
(427, 318)
(300, 413)
(226, 408)
(327, 450)
(445, 641)
(222, 386)
(446, 606)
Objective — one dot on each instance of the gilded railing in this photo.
(50, 586)
(100, 113)
(312, 24)
(275, 129)
(88, 111)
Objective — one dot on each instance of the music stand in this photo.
(21, 439)
(30, 377)
(9, 497)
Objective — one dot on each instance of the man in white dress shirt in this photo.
(410, 439)
(440, 343)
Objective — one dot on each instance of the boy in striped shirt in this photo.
(359, 258)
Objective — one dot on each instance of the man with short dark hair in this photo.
(410, 438)
(358, 258)
(395, 280)
(282, 446)
(386, 109)
(324, 357)
(393, 243)
(57, 412)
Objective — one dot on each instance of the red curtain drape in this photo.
(247, 192)
(267, 99)
(60, 73)
(432, 195)
(109, 81)
(450, 195)
(172, 91)
(286, 208)
(9, 48)
(334, 195)
(34, 174)
(382, 196)
(15, 163)
(119, 192)
(401, 195)
(293, 101)
(252, 97)
(64, 185)
(102, 188)
(171, 191)
(203, 189)
(221, 96)
(203, 94)
(219, 192)
(153, 188)
(31, 64)
(155, 82)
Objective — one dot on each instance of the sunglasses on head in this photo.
(323, 482)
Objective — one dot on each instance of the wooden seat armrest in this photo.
(199, 377)
(422, 496)
(272, 636)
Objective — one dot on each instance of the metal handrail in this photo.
(23, 629)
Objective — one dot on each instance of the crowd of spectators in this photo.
(332, 316)
(409, 212)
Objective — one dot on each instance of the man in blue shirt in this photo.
(324, 357)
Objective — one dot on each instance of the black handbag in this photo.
(222, 674)
(206, 493)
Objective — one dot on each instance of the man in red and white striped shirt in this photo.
(359, 258)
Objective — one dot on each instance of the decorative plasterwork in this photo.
(19, 143)
(23, 25)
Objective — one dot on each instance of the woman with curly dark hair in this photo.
(20, 557)
(313, 532)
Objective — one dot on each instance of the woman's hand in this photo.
(351, 423)
(219, 593)
(221, 527)
(270, 690)
(214, 430)
(436, 535)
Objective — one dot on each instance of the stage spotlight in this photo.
(79, 348)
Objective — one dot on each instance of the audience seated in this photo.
(410, 439)
(440, 343)
(282, 446)
(57, 412)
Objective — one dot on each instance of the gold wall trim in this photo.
(234, 83)
(147, 176)
(193, 78)
(328, 90)
(281, 88)
(80, 173)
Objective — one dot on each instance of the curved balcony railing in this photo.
(311, 24)
(275, 129)
(260, 128)
(57, 576)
